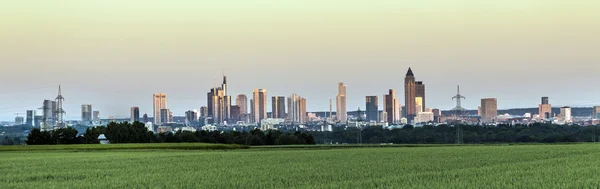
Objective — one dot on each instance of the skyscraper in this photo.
(596, 112)
(390, 106)
(135, 114)
(235, 114)
(30, 118)
(190, 117)
(259, 107)
(219, 103)
(160, 102)
(545, 109)
(96, 115)
(165, 116)
(410, 94)
(489, 109)
(242, 101)
(278, 106)
(297, 109)
(565, 114)
(420, 93)
(372, 105)
(86, 113)
(341, 113)
(145, 118)
(419, 104)
(48, 115)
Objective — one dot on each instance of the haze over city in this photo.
(114, 54)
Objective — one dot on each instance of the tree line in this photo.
(137, 133)
(473, 134)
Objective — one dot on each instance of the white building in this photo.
(424, 117)
(182, 129)
(270, 123)
(150, 126)
(341, 112)
(209, 128)
(565, 114)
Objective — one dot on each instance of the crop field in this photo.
(521, 166)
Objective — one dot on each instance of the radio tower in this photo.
(60, 122)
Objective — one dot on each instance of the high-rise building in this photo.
(419, 104)
(219, 103)
(242, 101)
(390, 106)
(278, 107)
(341, 111)
(436, 114)
(297, 109)
(96, 115)
(372, 105)
(160, 102)
(420, 93)
(259, 105)
(190, 117)
(596, 112)
(165, 116)
(545, 109)
(235, 114)
(565, 114)
(489, 109)
(145, 118)
(19, 120)
(37, 119)
(398, 110)
(410, 94)
(30, 117)
(86, 113)
(134, 114)
(545, 100)
(48, 115)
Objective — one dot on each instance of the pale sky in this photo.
(115, 54)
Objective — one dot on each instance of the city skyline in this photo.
(515, 51)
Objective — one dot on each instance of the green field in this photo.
(520, 166)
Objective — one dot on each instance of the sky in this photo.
(115, 54)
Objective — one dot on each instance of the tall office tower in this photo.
(37, 119)
(410, 94)
(302, 111)
(48, 115)
(165, 116)
(565, 114)
(596, 112)
(145, 118)
(242, 101)
(251, 116)
(86, 113)
(545, 109)
(372, 105)
(30, 117)
(297, 109)
(420, 93)
(259, 106)
(219, 103)
(389, 106)
(235, 114)
(190, 117)
(398, 110)
(341, 113)
(134, 114)
(160, 102)
(19, 120)
(278, 107)
(419, 104)
(489, 109)
(96, 115)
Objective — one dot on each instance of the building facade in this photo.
(372, 105)
(341, 108)
(134, 114)
(259, 105)
(242, 101)
(390, 104)
(596, 112)
(29, 119)
(565, 114)
(489, 109)
(159, 103)
(86, 112)
(545, 109)
(410, 94)
(278, 107)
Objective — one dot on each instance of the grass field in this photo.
(520, 166)
(97, 147)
